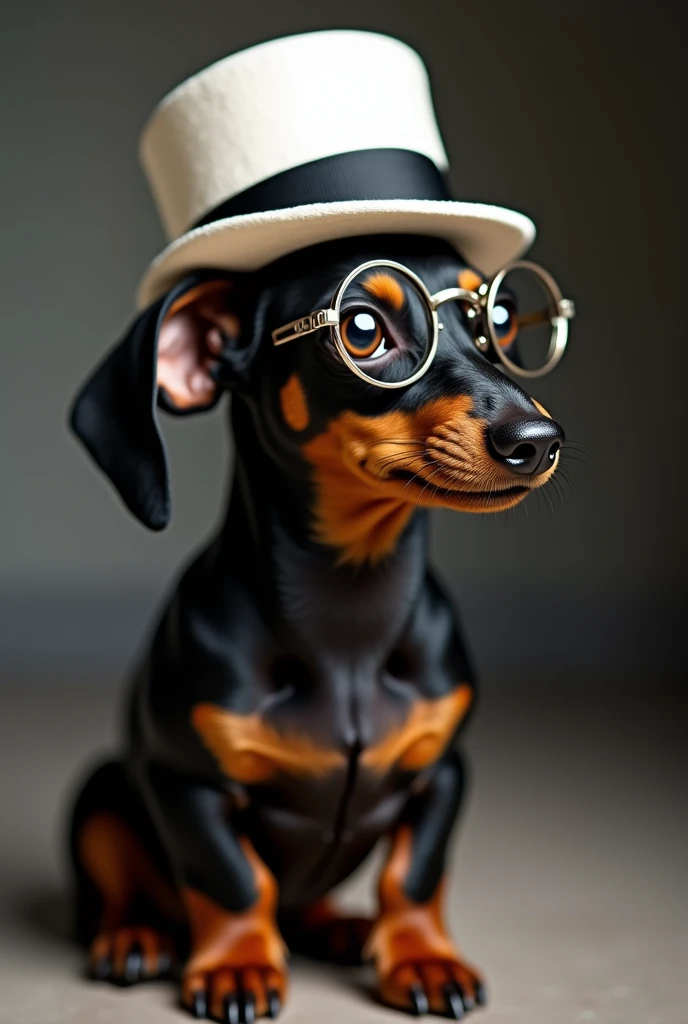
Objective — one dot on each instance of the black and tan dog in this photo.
(307, 682)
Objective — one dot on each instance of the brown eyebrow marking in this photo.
(469, 280)
(294, 404)
(385, 288)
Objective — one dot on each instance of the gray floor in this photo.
(569, 878)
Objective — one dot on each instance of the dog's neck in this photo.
(269, 529)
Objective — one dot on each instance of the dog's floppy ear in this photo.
(169, 357)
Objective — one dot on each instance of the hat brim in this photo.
(486, 236)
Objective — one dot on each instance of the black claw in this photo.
(480, 994)
(133, 967)
(419, 1000)
(468, 1001)
(274, 1005)
(456, 1004)
(198, 1005)
(249, 1008)
(231, 1009)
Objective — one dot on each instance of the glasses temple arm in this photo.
(305, 325)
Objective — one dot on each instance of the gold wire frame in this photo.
(481, 302)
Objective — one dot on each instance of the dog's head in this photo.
(463, 436)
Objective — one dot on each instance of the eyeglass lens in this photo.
(522, 318)
(386, 326)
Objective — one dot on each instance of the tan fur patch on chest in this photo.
(249, 750)
(423, 737)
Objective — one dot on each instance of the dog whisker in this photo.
(454, 451)
(556, 486)
(400, 457)
(414, 479)
(576, 444)
(496, 515)
(450, 446)
(405, 440)
(461, 465)
(434, 474)
(390, 463)
(562, 472)
(548, 496)
(573, 458)
(579, 449)
(422, 492)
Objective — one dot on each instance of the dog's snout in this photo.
(527, 446)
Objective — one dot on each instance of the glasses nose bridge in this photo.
(456, 295)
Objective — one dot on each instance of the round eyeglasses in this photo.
(385, 325)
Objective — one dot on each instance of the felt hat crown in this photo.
(301, 140)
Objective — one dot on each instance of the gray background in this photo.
(573, 113)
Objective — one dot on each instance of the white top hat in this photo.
(304, 139)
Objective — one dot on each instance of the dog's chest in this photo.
(326, 775)
(328, 758)
(359, 685)
(339, 705)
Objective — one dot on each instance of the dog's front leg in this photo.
(236, 966)
(419, 968)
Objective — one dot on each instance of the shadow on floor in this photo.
(46, 913)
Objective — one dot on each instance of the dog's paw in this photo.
(418, 967)
(126, 955)
(234, 995)
(447, 987)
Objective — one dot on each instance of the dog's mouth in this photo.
(414, 488)
(370, 473)
(411, 479)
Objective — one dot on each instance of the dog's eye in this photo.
(362, 336)
(504, 321)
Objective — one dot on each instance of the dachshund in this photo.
(306, 686)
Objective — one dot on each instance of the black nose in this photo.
(526, 446)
